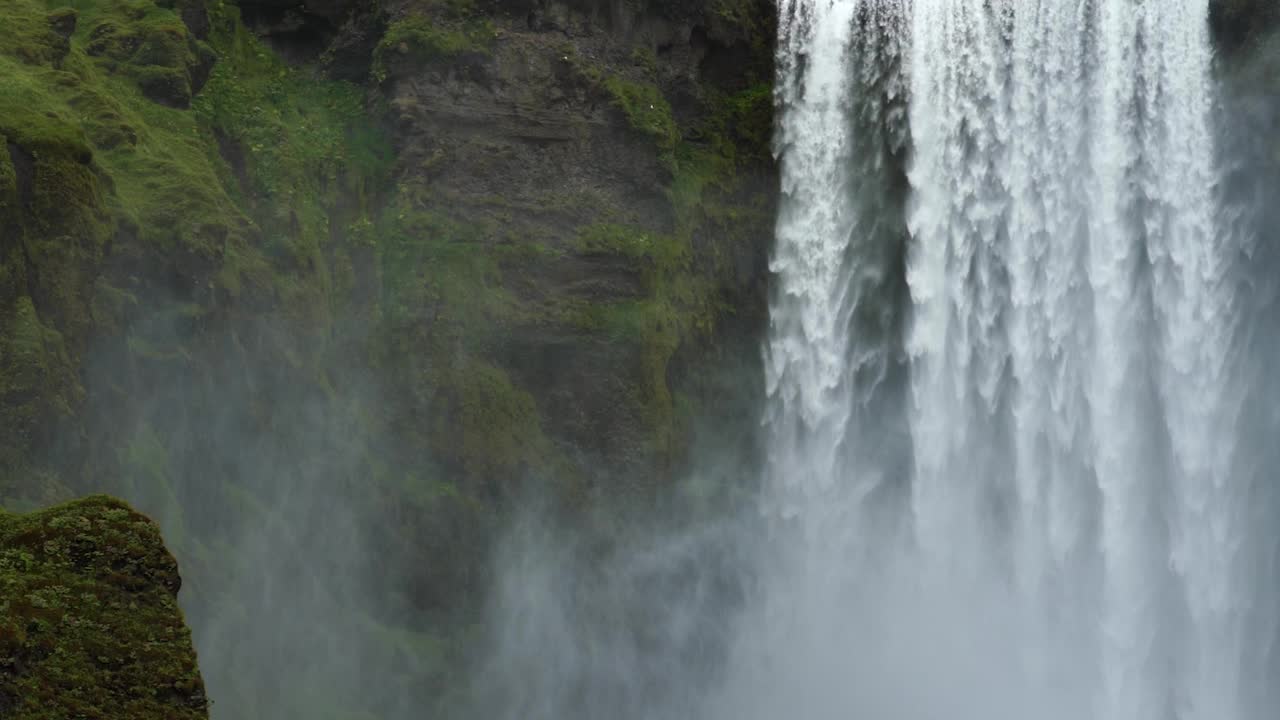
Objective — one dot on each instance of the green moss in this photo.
(29, 34)
(89, 621)
(751, 15)
(663, 254)
(307, 159)
(641, 102)
(63, 218)
(740, 126)
(147, 471)
(146, 43)
(92, 119)
(710, 189)
(440, 272)
(428, 39)
(646, 59)
(646, 109)
(444, 299)
(101, 165)
(34, 118)
(33, 358)
(38, 388)
(684, 291)
(424, 39)
(679, 307)
(489, 427)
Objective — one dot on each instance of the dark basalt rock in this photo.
(1236, 24)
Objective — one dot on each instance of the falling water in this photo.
(1015, 471)
(1065, 537)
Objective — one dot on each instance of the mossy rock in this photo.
(155, 48)
(89, 621)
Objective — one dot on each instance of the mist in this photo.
(1000, 497)
(1249, 121)
(971, 467)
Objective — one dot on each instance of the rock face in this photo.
(89, 620)
(397, 265)
(573, 200)
(612, 160)
(1240, 23)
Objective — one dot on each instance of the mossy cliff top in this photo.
(89, 621)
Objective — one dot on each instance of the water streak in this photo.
(1074, 531)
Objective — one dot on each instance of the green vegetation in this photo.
(753, 16)
(718, 210)
(646, 109)
(302, 156)
(439, 269)
(663, 255)
(741, 126)
(490, 426)
(217, 284)
(151, 46)
(444, 301)
(640, 100)
(89, 620)
(54, 221)
(422, 39)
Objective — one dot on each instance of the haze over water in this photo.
(1013, 467)
(1070, 538)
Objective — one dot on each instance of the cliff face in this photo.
(524, 221)
(329, 289)
(89, 619)
(610, 166)
(326, 290)
(1237, 24)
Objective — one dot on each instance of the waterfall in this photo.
(1057, 530)
(1020, 419)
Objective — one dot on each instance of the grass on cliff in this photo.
(304, 157)
(444, 301)
(168, 230)
(683, 271)
(451, 31)
(647, 111)
(303, 142)
(130, 160)
(247, 195)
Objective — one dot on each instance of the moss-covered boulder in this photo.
(89, 620)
